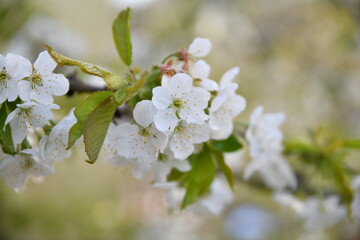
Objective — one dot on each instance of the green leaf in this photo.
(176, 175)
(200, 177)
(338, 172)
(121, 35)
(112, 81)
(231, 144)
(226, 170)
(6, 141)
(97, 126)
(352, 143)
(82, 112)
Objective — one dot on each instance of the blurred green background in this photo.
(300, 56)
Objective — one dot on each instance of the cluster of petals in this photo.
(226, 106)
(317, 214)
(18, 169)
(33, 86)
(265, 143)
(213, 203)
(179, 118)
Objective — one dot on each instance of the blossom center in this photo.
(4, 77)
(27, 163)
(180, 129)
(145, 133)
(178, 103)
(35, 79)
(25, 112)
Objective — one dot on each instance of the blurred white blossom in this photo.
(16, 170)
(265, 143)
(317, 213)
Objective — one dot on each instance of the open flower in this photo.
(9, 76)
(40, 82)
(214, 203)
(184, 137)
(57, 141)
(318, 214)
(26, 116)
(265, 142)
(141, 140)
(179, 100)
(225, 106)
(17, 169)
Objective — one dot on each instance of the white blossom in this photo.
(179, 100)
(356, 202)
(40, 82)
(24, 165)
(138, 167)
(225, 106)
(57, 141)
(9, 76)
(26, 116)
(317, 214)
(265, 142)
(200, 71)
(142, 140)
(214, 202)
(200, 47)
(289, 200)
(184, 137)
(173, 194)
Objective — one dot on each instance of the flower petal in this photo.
(179, 84)
(144, 112)
(165, 119)
(24, 90)
(181, 146)
(44, 64)
(12, 90)
(161, 98)
(200, 47)
(208, 84)
(198, 133)
(57, 84)
(197, 98)
(229, 76)
(200, 69)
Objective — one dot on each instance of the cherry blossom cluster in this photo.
(31, 87)
(185, 115)
(188, 109)
(266, 147)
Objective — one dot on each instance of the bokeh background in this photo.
(298, 56)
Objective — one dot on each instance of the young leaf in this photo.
(226, 170)
(200, 176)
(121, 35)
(97, 126)
(6, 141)
(82, 112)
(231, 144)
(338, 173)
(352, 143)
(112, 81)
